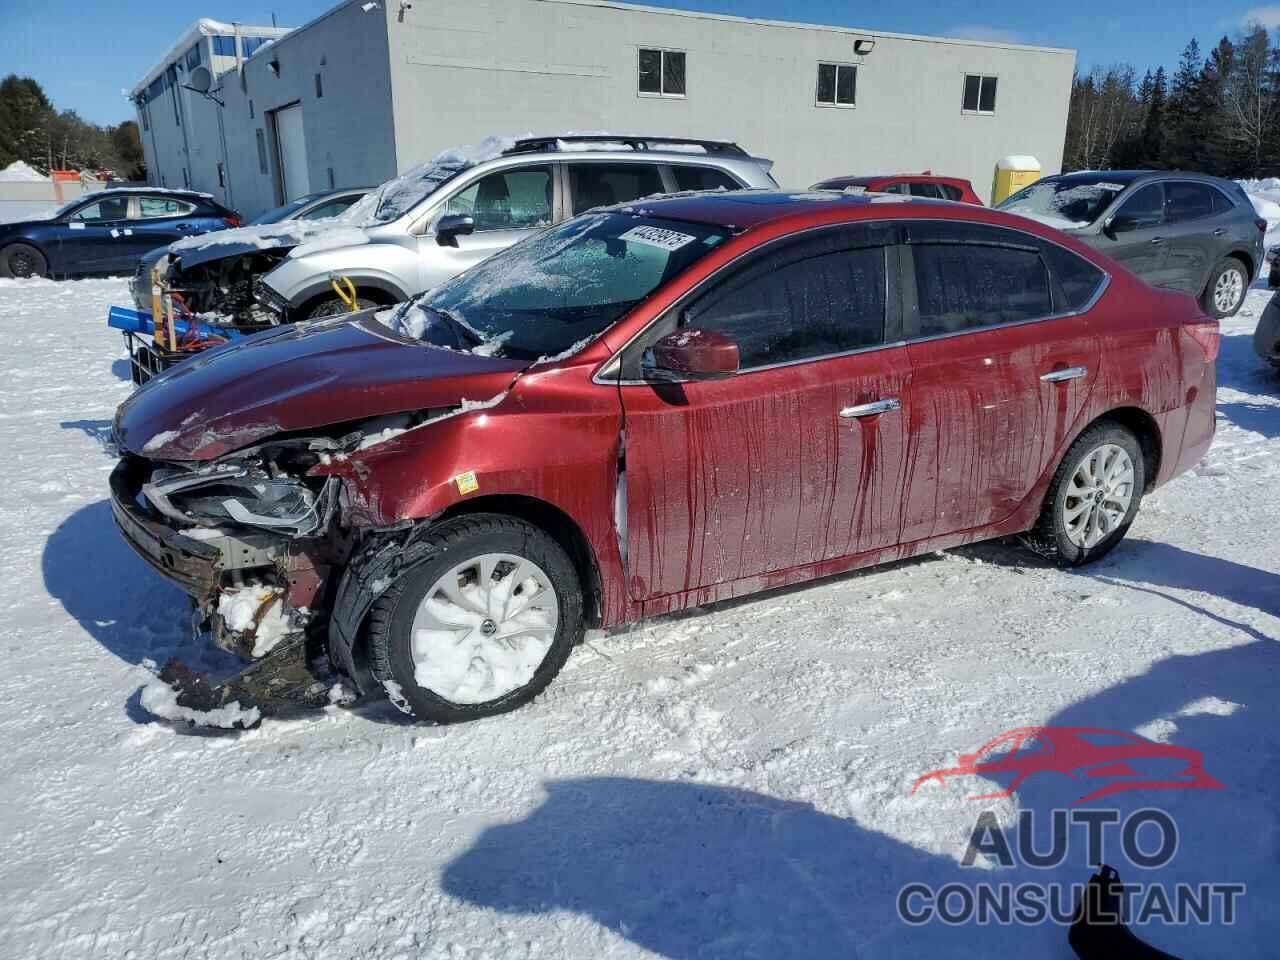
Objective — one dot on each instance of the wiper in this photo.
(455, 323)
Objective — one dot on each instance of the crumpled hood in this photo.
(297, 378)
(193, 251)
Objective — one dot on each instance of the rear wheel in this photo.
(1093, 498)
(1224, 296)
(480, 629)
(21, 260)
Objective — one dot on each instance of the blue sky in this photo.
(85, 52)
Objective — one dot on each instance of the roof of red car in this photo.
(747, 209)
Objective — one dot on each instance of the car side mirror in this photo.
(692, 354)
(1118, 224)
(453, 225)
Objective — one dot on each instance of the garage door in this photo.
(292, 144)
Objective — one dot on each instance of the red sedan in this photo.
(924, 185)
(652, 407)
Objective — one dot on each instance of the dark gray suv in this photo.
(1183, 231)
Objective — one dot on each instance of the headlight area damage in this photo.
(254, 538)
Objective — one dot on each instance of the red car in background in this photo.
(924, 185)
(651, 407)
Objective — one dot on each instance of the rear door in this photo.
(1137, 236)
(799, 457)
(158, 221)
(507, 206)
(604, 183)
(1198, 221)
(1002, 359)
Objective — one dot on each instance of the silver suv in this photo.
(437, 220)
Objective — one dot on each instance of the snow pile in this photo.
(160, 699)
(257, 608)
(316, 234)
(1018, 162)
(1265, 196)
(19, 172)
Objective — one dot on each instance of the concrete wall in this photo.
(462, 69)
(348, 129)
(30, 200)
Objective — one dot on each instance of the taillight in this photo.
(232, 221)
(1261, 224)
(1206, 335)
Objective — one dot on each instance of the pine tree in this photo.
(1184, 125)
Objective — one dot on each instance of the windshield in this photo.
(282, 213)
(547, 296)
(1073, 202)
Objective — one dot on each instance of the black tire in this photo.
(1209, 299)
(21, 260)
(1049, 537)
(457, 540)
(333, 307)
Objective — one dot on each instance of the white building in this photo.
(370, 89)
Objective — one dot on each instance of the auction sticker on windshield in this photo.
(658, 237)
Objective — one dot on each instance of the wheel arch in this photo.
(1247, 260)
(28, 241)
(1143, 426)
(376, 289)
(558, 525)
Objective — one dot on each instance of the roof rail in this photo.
(552, 144)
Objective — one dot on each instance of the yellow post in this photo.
(1012, 174)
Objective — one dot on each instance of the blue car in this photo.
(107, 232)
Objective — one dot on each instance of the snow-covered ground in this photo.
(728, 783)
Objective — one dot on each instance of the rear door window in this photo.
(950, 193)
(816, 297)
(604, 184)
(1185, 201)
(151, 208)
(1078, 280)
(703, 178)
(331, 209)
(926, 190)
(970, 277)
(515, 199)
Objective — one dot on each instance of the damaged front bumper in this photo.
(289, 667)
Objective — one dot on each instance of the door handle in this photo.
(1157, 239)
(1220, 232)
(1068, 373)
(870, 409)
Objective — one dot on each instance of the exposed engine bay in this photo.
(218, 292)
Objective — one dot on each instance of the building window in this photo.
(319, 88)
(837, 85)
(979, 94)
(224, 46)
(186, 178)
(145, 110)
(193, 57)
(250, 109)
(172, 76)
(222, 174)
(262, 150)
(662, 73)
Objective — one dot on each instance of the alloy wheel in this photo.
(22, 265)
(1228, 291)
(484, 628)
(1099, 495)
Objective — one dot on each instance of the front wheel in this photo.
(1224, 295)
(334, 307)
(1093, 497)
(21, 260)
(480, 629)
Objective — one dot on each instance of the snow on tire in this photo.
(482, 627)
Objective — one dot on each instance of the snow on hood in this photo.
(300, 377)
(302, 235)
